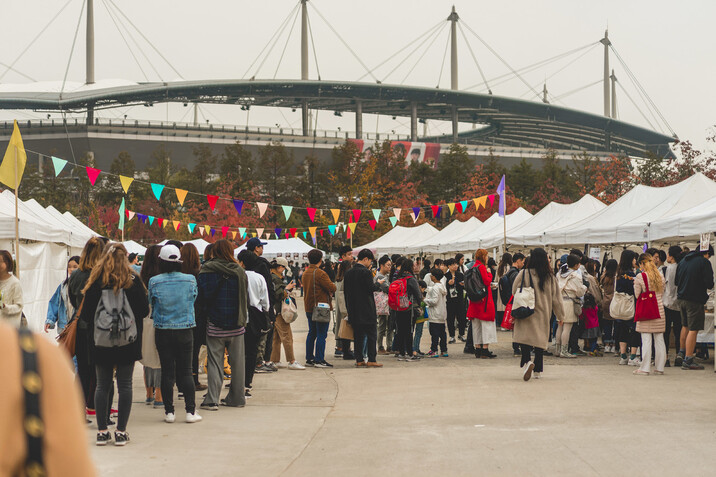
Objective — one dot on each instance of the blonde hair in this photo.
(112, 268)
(656, 282)
(91, 254)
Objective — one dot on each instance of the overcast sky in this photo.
(667, 45)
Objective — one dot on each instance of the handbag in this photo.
(150, 355)
(67, 339)
(523, 302)
(508, 321)
(381, 303)
(345, 331)
(577, 307)
(321, 314)
(647, 305)
(622, 306)
(289, 310)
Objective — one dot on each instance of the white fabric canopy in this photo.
(440, 242)
(689, 223)
(134, 247)
(399, 239)
(293, 248)
(489, 231)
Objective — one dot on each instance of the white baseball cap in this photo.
(170, 253)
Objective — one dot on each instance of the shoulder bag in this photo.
(523, 303)
(289, 310)
(68, 338)
(647, 305)
(321, 314)
(622, 306)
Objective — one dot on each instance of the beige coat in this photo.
(594, 289)
(649, 326)
(534, 330)
(572, 290)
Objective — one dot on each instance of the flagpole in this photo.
(17, 220)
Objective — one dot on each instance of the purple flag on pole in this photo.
(503, 199)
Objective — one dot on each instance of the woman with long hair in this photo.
(111, 275)
(590, 310)
(532, 333)
(482, 313)
(341, 311)
(191, 265)
(152, 374)
(60, 310)
(607, 283)
(651, 330)
(11, 292)
(625, 332)
(572, 289)
(404, 319)
(504, 266)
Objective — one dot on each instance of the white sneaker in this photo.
(623, 361)
(191, 418)
(529, 367)
(635, 362)
(281, 365)
(169, 417)
(296, 366)
(537, 375)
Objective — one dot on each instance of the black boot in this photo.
(478, 353)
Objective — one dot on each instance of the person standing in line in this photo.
(112, 273)
(503, 268)
(694, 277)
(359, 287)
(263, 268)
(482, 313)
(425, 270)
(153, 373)
(282, 333)
(223, 299)
(607, 322)
(671, 307)
(404, 319)
(134, 263)
(318, 289)
(191, 265)
(435, 300)
(572, 289)
(60, 310)
(590, 316)
(651, 330)
(532, 333)
(343, 347)
(385, 327)
(626, 334)
(172, 295)
(11, 292)
(455, 282)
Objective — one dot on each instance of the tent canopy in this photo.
(490, 231)
(441, 241)
(399, 239)
(292, 248)
(134, 247)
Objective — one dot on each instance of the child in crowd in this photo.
(435, 300)
(420, 319)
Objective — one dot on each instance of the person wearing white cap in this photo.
(172, 295)
(282, 332)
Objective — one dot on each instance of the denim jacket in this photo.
(57, 308)
(171, 296)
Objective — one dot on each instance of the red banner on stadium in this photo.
(427, 152)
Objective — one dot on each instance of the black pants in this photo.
(251, 345)
(269, 344)
(102, 395)
(404, 336)
(199, 340)
(360, 333)
(85, 368)
(456, 312)
(437, 336)
(175, 349)
(574, 334)
(469, 343)
(673, 321)
(526, 357)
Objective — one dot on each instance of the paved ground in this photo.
(452, 416)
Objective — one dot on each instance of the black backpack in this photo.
(475, 289)
(505, 285)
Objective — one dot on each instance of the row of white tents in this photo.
(292, 248)
(644, 214)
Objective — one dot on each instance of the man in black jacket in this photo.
(694, 277)
(358, 287)
(263, 268)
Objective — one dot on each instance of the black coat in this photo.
(358, 287)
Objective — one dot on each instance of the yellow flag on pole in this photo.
(15, 156)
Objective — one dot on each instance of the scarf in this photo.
(228, 269)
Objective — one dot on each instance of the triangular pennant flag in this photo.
(59, 165)
(287, 209)
(312, 230)
(314, 241)
(262, 208)
(191, 228)
(286, 235)
(233, 234)
(92, 174)
(121, 215)
(348, 233)
(311, 213)
(157, 189)
(463, 206)
(278, 232)
(482, 201)
(142, 218)
(492, 199)
(151, 220)
(259, 232)
(293, 232)
(201, 231)
(177, 224)
(336, 213)
(213, 232)
(376, 214)
(13, 163)
(332, 229)
(242, 232)
(160, 221)
(238, 204)
(451, 206)
(224, 230)
(207, 229)
(305, 234)
(393, 221)
(372, 224)
(321, 232)
(125, 181)
(181, 195)
(436, 211)
(396, 212)
(130, 215)
(253, 234)
(212, 200)
(166, 223)
(477, 203)
(352, 226)
(416, 212)
(356, 215)
(412, 216)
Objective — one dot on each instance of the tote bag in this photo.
(523, 302)
(622, 306)
(150, 355)
(289, 310)
(508, 322)
(647, 306)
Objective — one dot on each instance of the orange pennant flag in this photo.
(181, 195)
(336, 213)
(481, 202)
(312, 230)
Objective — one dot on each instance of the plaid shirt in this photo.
(219, 306)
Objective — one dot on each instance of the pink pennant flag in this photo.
(397, 214)
(130, 215)
(372, 224)
(492, 199)
(212, 200)
(262, 209)
(92, 174)
(311, 213)
(259, 232)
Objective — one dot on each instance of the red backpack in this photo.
(398, 295)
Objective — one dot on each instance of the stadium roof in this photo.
(505, 121)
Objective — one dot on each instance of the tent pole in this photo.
(17, 220)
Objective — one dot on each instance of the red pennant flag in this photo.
(293, 232)
(287, 234)
(321, 232)
(356, 214)
(161, 222)
(436, 210)
(492, 199)
(212, 200)
(458, 207)
(92, 174)
(311, 213)
(224, 230)
(372, 224)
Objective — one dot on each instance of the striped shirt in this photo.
(216, 332)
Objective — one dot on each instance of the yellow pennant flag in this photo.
(481, 202)
(233, 235)
(208, 229)
(181, 195)
(312, 230)
(451, 206)
(352, 226)
(126, 182)
(336, 213)
(13, 164)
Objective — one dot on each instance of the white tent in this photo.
(552, 216)
(689, 223)
(441, 241)
(399, 239)
(488, 232)
(292, 248)
(134, 247)
(627, 219)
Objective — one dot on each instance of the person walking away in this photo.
(532, 333)
(607, 283)
(282, 332)
(11, 302)
(404, 317)
(172, 295)
(651, 281)
(258, 320)
(590, 311)
(342, 346)
(359, 287)
(435, 300)
(223, 300)
(572, 289)
(455, 300)
(60, 310)
(671, 307)
(317, 289)
(385, 327)
(114, 297)
(626, 334)
(191, 265)
(482, 313)
(694, 277)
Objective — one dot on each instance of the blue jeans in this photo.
(417, 336)
(608, 331)
(317, 333)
